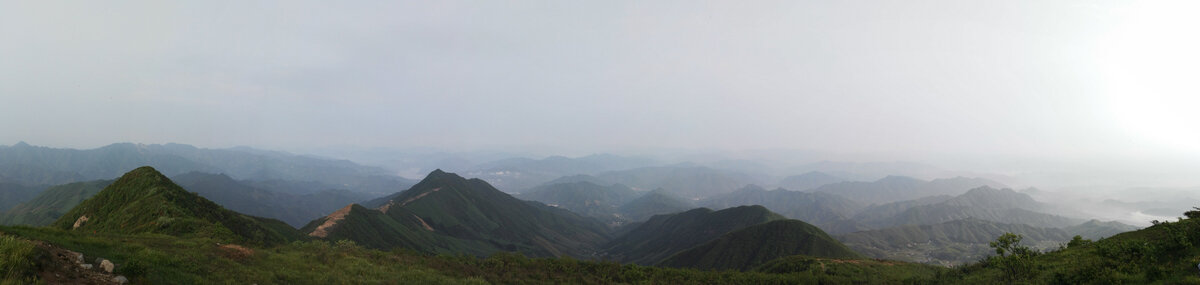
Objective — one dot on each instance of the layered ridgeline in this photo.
(808, 181)
(52, 203)
(754, 245)
(12, 194)
(986, 203)
(655, 202)
(585, 198)
(830, 212)
(900, 188)
(664, 235)
(32, 165)
(294, 209)
(465, 216)
(145, 201)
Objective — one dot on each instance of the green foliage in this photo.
(1014, 259)
(16, 260)
(1078, 241)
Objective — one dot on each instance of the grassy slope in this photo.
(145, 201)
(159, 259)
(746, 248)
(1165, 253)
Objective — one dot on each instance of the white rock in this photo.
(120, 279)
(107, 266)
(86, 266)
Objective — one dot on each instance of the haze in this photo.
(1083, 90)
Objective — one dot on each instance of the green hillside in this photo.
(746, 248)
(52, 203)
(474, 212)
(397, 228)
(145, 201)
(664, 235)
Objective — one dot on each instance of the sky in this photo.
(964, 81)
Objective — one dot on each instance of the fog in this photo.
(1062, 95)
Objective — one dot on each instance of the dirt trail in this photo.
(333, 219)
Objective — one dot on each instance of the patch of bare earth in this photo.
(330, 221)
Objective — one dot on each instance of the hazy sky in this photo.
(944, 78)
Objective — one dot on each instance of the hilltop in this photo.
(751, 246)
(146, 201)
(468, 211)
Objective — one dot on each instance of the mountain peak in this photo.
(21, 144)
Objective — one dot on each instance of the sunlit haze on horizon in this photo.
(1097, 88)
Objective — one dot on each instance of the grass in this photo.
(16, 260)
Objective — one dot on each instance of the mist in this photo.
(1063, 96)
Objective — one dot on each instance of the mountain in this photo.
(32, 165)
(517, 174)
(1096, 229)
(294, 209)
(685, 181)
(474, 212)
(585, 198)
(997, 205)
(12, 194)
(145, 201)
(751, 246)
(396, 228)
(815, 207)
(808, 181)
(655, 202)
(52, 203)
(900, 188)
(664, 235)
(948, 243)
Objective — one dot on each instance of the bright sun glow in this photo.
(1152, 66)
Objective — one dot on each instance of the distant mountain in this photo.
(518, 174)
(813, 207)
(1096, 229)
(12, 194)
(664, 235)
(900, 188)
(685, 181)
(997, 205)
(754, 245)
(585, 198)
(52, 203)
(808, 181)
(145, 201)
(32, 165)
(470, 211)
(948, 243)
(294, 209)
(655, 202)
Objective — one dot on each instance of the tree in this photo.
(1014, 259)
